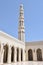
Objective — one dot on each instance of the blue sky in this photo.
(33, 13)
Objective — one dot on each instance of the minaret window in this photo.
(20, 23)
(21, 12)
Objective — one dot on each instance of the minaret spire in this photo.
(21, 31)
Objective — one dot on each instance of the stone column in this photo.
(34, 55)
(42, 54)
(19, 54)
(15, 55)
(23, 54)
(9, 54)
(2, 53)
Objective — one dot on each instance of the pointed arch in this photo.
(21, 55)
(12, 54)
(39, 55)
(30, 55)
(17, 54)
(5, 57)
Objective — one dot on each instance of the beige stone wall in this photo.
(8, 40)
(34, 46)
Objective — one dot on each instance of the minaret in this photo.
(21, 28)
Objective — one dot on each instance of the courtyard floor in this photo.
(26, 63)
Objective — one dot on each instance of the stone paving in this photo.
(25, 63)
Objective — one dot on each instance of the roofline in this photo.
(34, 43)
(11, 37)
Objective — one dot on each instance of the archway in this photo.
(12, 54)
(21, 55)
(17, 54)
(39, 55)
(30, 55)
(5, 53)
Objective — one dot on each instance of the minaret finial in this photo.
(21, 31)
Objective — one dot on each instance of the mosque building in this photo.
(17, 50)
